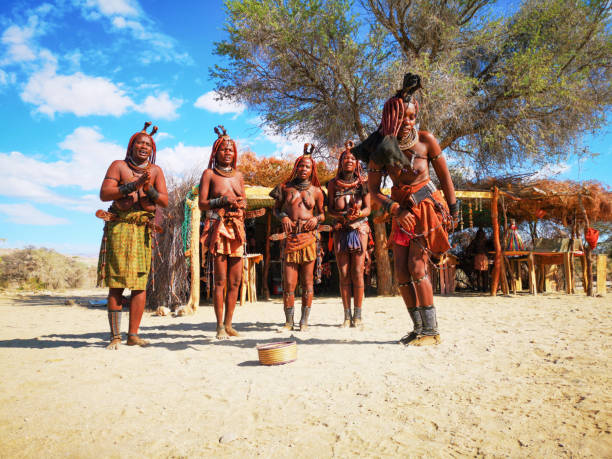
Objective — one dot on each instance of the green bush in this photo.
(37, 269)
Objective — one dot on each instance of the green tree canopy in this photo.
(498, 90)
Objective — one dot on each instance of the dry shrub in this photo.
(169, 281)
(36, 269)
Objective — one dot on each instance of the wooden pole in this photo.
(194, 244)
(602, 263)
(497, 265)
(266, 269)
(384, 279)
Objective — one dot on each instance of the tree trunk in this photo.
(266, 269)
(497, 265)
(384, 279)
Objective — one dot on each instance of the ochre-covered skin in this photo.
(224, 234)
(138, 167)
(299, 203)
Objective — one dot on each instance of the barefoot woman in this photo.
(222, 195)
(420, 215)
(136, 186)
(349, 204)
(299, 207)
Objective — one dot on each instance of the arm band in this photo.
(217, 202)
(127, 188)
(152, 193)
(454, 207)
(387, 203)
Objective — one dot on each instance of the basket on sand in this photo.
(277, 353)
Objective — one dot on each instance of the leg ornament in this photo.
(348, 319)
(114, 320)
(306, 303)
(417, 322)
(430, 334)
(288, 302)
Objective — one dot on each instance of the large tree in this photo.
(519, 88)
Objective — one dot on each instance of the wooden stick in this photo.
(266, 269)
(498, 251)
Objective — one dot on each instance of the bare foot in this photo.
(346, 323)
(425, 340)
(134, 340)
(230, 331)
(357, 323)
(221, 333)
(303, 327)
(114, 344)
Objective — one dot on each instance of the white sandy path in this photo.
(515, 376)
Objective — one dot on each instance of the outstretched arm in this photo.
(442, 172)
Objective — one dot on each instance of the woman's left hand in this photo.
(311, 223)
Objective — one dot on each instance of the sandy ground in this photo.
(514, 376)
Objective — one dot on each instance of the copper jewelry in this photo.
(410, 140)
(225, 171)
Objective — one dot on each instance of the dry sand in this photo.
(518, 376)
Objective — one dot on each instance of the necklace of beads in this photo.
(410, 140)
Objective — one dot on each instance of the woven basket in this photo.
(277, 353)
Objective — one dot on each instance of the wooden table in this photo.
(248, 287)
(540, 258)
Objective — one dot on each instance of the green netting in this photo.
(186, 227)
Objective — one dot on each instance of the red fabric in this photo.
(591, 235)
(429, 222)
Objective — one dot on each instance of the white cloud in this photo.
(161, 106)
(7, 78)
(18, 41)
(27, 214)
(183, 160)
(285, 145)
(551, 170)
(127, 16)
(114, 7)
(211, 102)
(77, 93)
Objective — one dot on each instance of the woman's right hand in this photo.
(406, 219)
(288, 225)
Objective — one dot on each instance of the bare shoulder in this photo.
(155, 168)
(207, 174)
(427, 138)
(239, 175)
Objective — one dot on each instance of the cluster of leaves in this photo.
(500, 89)
(33, 268)
(271, 171)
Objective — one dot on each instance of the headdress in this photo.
(395, 108)
(348, 145)
(221, 138)
(308, 151)
(133, 139)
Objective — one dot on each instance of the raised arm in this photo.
(375, 174)
(111, 190)
(157, 191)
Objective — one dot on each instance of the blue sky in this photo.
(78, 77)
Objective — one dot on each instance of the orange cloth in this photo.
(430, 222)
(224, 235)
(301, 247)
